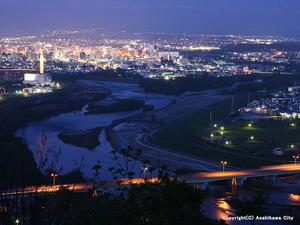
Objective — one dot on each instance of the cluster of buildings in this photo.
(28, 81)
(164, 57)
(38, 82)
(265, 62)
(283, 103)
(77, 56)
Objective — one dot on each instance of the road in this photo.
(174, 159)
(133, 132)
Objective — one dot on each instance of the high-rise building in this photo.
(42, 63)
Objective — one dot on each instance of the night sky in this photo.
(262, 17)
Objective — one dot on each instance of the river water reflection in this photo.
(218, 207)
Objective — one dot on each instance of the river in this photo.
(71, 156)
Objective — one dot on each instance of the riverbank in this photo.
(133, 132)
(71, 97)
(17, 156)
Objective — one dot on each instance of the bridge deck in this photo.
(205, 177)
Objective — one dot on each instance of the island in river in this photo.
(88, 139)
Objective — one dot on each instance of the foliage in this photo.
(168, 202)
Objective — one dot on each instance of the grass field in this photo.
(192, 136)
(260, 137)
(188, 130)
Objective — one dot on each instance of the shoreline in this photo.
(158, 155)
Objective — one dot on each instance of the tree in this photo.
(169, 202)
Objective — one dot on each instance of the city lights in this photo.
(149, 112)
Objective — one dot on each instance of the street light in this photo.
(252, 137)
(249, 124)
(222, 132)
(224, 163)
(296, 157)
(222, 128)
(215, 125)
(53, 175)
(17, 221)
(227, 142)
(292, 146)
(145, 169)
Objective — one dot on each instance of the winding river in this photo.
(71, 156)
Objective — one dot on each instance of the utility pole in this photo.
(248, 98)
(210, 118)
(232, 105)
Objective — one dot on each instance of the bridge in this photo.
(78, 188)
(200, 180)
(238, 177)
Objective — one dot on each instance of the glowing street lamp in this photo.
(222, 133)
(292, 146)
(252, 138)
(53, 175)
(293, 124)
(145, 169)
(224, 163)
(17, 221)
(296, 157)
(249, 124)
(215, 125)
(212, 135)
(222, 128)
(226, 142)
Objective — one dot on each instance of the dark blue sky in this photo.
(278, 17)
